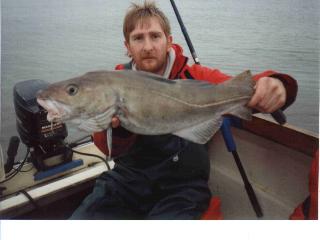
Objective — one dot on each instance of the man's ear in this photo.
(169, 44)
(126, 44)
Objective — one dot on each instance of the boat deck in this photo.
(278, 174)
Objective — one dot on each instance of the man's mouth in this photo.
(150, 60)
(148, 57)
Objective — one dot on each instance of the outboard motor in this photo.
(45, 139)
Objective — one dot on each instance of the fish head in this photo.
(82, 98)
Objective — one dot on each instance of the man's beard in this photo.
(155, 66)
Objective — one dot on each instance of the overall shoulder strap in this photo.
(124, 66)
(127, 65)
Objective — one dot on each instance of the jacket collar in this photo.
(179, 63)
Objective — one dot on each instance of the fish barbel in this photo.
(146, 103)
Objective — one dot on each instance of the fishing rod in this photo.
(225, 129)
(277, 115)
(185, 33)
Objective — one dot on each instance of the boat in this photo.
(276, 158)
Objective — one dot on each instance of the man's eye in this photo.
(155, 36)
(137, 38)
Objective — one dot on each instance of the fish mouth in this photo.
(57, 111)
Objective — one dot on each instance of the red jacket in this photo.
(308, 210)
(122, 139)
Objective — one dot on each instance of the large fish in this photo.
(146, 103)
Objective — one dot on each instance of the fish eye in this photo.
(72, 89)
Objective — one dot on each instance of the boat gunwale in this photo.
(288, 135)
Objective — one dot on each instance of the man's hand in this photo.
(115, 122)
(269, 96)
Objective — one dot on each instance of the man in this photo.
(164, 177)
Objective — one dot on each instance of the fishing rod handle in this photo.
(279, 117)
(227, 135)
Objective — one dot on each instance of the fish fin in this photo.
(156, 77)
(242, 112)
(202, 84)
(104, 119)
(97, 123)
(200, 133)
(242, 79)
(143, 74)
(90, 125)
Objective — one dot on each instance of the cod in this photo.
(146, 103)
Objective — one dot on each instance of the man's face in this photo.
(148, 46)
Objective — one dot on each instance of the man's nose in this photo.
(147, 45)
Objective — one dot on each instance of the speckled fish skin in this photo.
(147, 104)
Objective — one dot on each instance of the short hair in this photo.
(137, 13)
